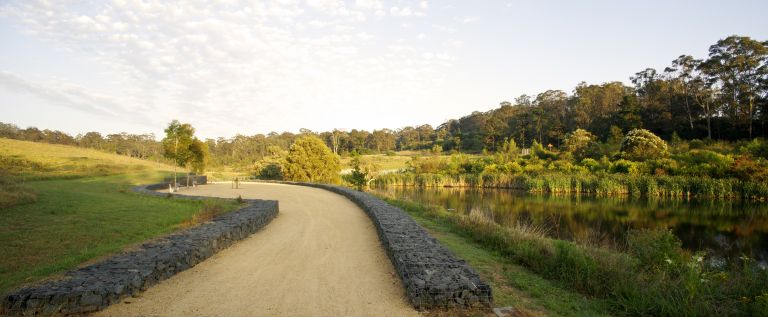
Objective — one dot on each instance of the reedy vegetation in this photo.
(648, 275)
(722, 170)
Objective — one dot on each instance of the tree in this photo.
(199, 159)
(363, 172)
(176, 145)
(641, 145)
(310, 160)
(683, 73)
(740, 65)
(581, 143)
(629, 116)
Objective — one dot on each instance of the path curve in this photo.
(320, 257)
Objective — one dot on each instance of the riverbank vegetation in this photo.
(686, 169)
(647, 274)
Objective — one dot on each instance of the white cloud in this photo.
(206, 62)
(401, 12)
(63, 93)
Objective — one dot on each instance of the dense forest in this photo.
(721, 97)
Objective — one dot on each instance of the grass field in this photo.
(83, 209)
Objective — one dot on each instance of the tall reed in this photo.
(600, 185)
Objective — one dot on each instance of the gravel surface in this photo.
(320, 257)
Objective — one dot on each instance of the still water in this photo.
(724, 229)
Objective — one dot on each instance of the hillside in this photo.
(34, 161)
(63, 205)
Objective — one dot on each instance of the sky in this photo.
(248, 67)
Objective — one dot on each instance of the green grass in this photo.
(30, 161)
(649, 274)
(383, 162)
(84, 209)
(512, 284)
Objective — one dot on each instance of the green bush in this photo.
(539, 151)
(662, 166)
(704, 163)
(592, 165)
(625, 167)
(656, 249)
(641, 145)
(581, 144)
(310, 160)
(271, 171)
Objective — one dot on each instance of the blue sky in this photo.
(257, 66)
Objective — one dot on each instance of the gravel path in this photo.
(319, 257)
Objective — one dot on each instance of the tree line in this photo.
(143, 146)
(723, 96)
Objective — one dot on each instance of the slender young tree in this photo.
(176, 145)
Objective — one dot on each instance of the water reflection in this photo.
(724, 229)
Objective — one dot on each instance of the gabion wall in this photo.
(96, 286)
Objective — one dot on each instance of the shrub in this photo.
(625, 167)
(704, 163)
(592, 165)
(421, 165)
(662, 166)
(641, 145)
(271, 171)
(581, 143)
(696, 144)
(310, 160)
(747, 169)
(656, 249)
(538, 150)
(757, 148)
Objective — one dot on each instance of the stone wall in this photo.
(432, 276)
(101, 284)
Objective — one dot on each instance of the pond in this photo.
(724, 229)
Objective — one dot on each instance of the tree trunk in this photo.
(175, 153)
(751, 106)
(709, 123)
(174, 177)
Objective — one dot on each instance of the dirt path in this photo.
(319, 257)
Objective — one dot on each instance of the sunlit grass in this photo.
(35, 161)
(78, 214)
